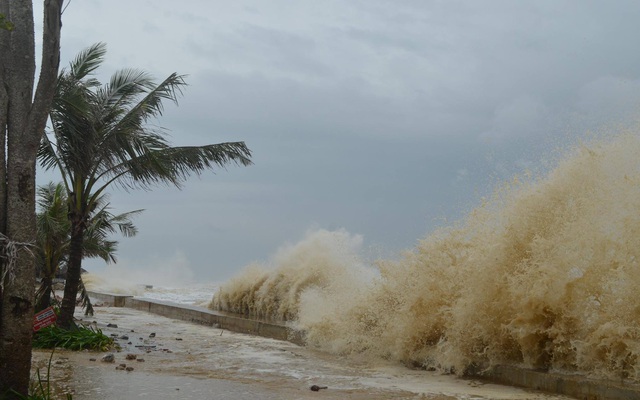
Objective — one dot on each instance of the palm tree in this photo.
(102, 136)
(53, 229)
(52, 238)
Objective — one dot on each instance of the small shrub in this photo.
(81, 338)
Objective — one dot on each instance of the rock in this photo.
(129, 369)
(124, 337)
(92, 359)
(178, 338)
(119, 368)
(152, 335)
(123, 365)
(140, 359)
(128, 342)
(131, 356)
(112, 326)
(317, 388)
(108, 358)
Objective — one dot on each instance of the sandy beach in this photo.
(176, 359)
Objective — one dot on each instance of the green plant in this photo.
(77, 339)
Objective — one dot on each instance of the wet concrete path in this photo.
(188, 361)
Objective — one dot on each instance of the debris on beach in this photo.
(108, 358)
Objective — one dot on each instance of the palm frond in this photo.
(86, 300)
(125, 88)
(151, 105)
(173, 165)
(88, 60)
(101, 224)
(48, 157)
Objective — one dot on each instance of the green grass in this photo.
(77, 339)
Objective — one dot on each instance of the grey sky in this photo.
(379, 117)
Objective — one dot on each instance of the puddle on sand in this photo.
(189, 361)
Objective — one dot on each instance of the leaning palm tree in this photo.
(53, 238)
(102, 135)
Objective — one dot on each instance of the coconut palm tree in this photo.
(53, 228)
(52, 239)
(103, 135)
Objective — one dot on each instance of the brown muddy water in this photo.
(188, 361)
(544, 274)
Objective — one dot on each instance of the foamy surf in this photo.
(198, 294)
(544, 275)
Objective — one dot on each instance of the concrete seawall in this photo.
(570, 385)
(202, 316)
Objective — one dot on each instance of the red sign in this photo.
(44, 318)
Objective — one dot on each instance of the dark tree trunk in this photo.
(45, 294)
(74, 269)
(17, 297)
(23, 120)
(4, 114)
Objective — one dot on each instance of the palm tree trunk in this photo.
(74, 268)
(44, 293)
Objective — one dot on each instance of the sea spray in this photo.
(131, 277)
(544, 275)
(317, 262)
(116, 284)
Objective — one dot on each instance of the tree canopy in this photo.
(103, 135)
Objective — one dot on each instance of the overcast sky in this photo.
(383, 118)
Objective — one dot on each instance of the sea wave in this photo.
(543, 274)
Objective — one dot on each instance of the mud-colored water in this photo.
(544, 274)
(208, 363)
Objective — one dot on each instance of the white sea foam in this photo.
(193, 294)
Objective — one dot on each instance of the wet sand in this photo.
(189, 361)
